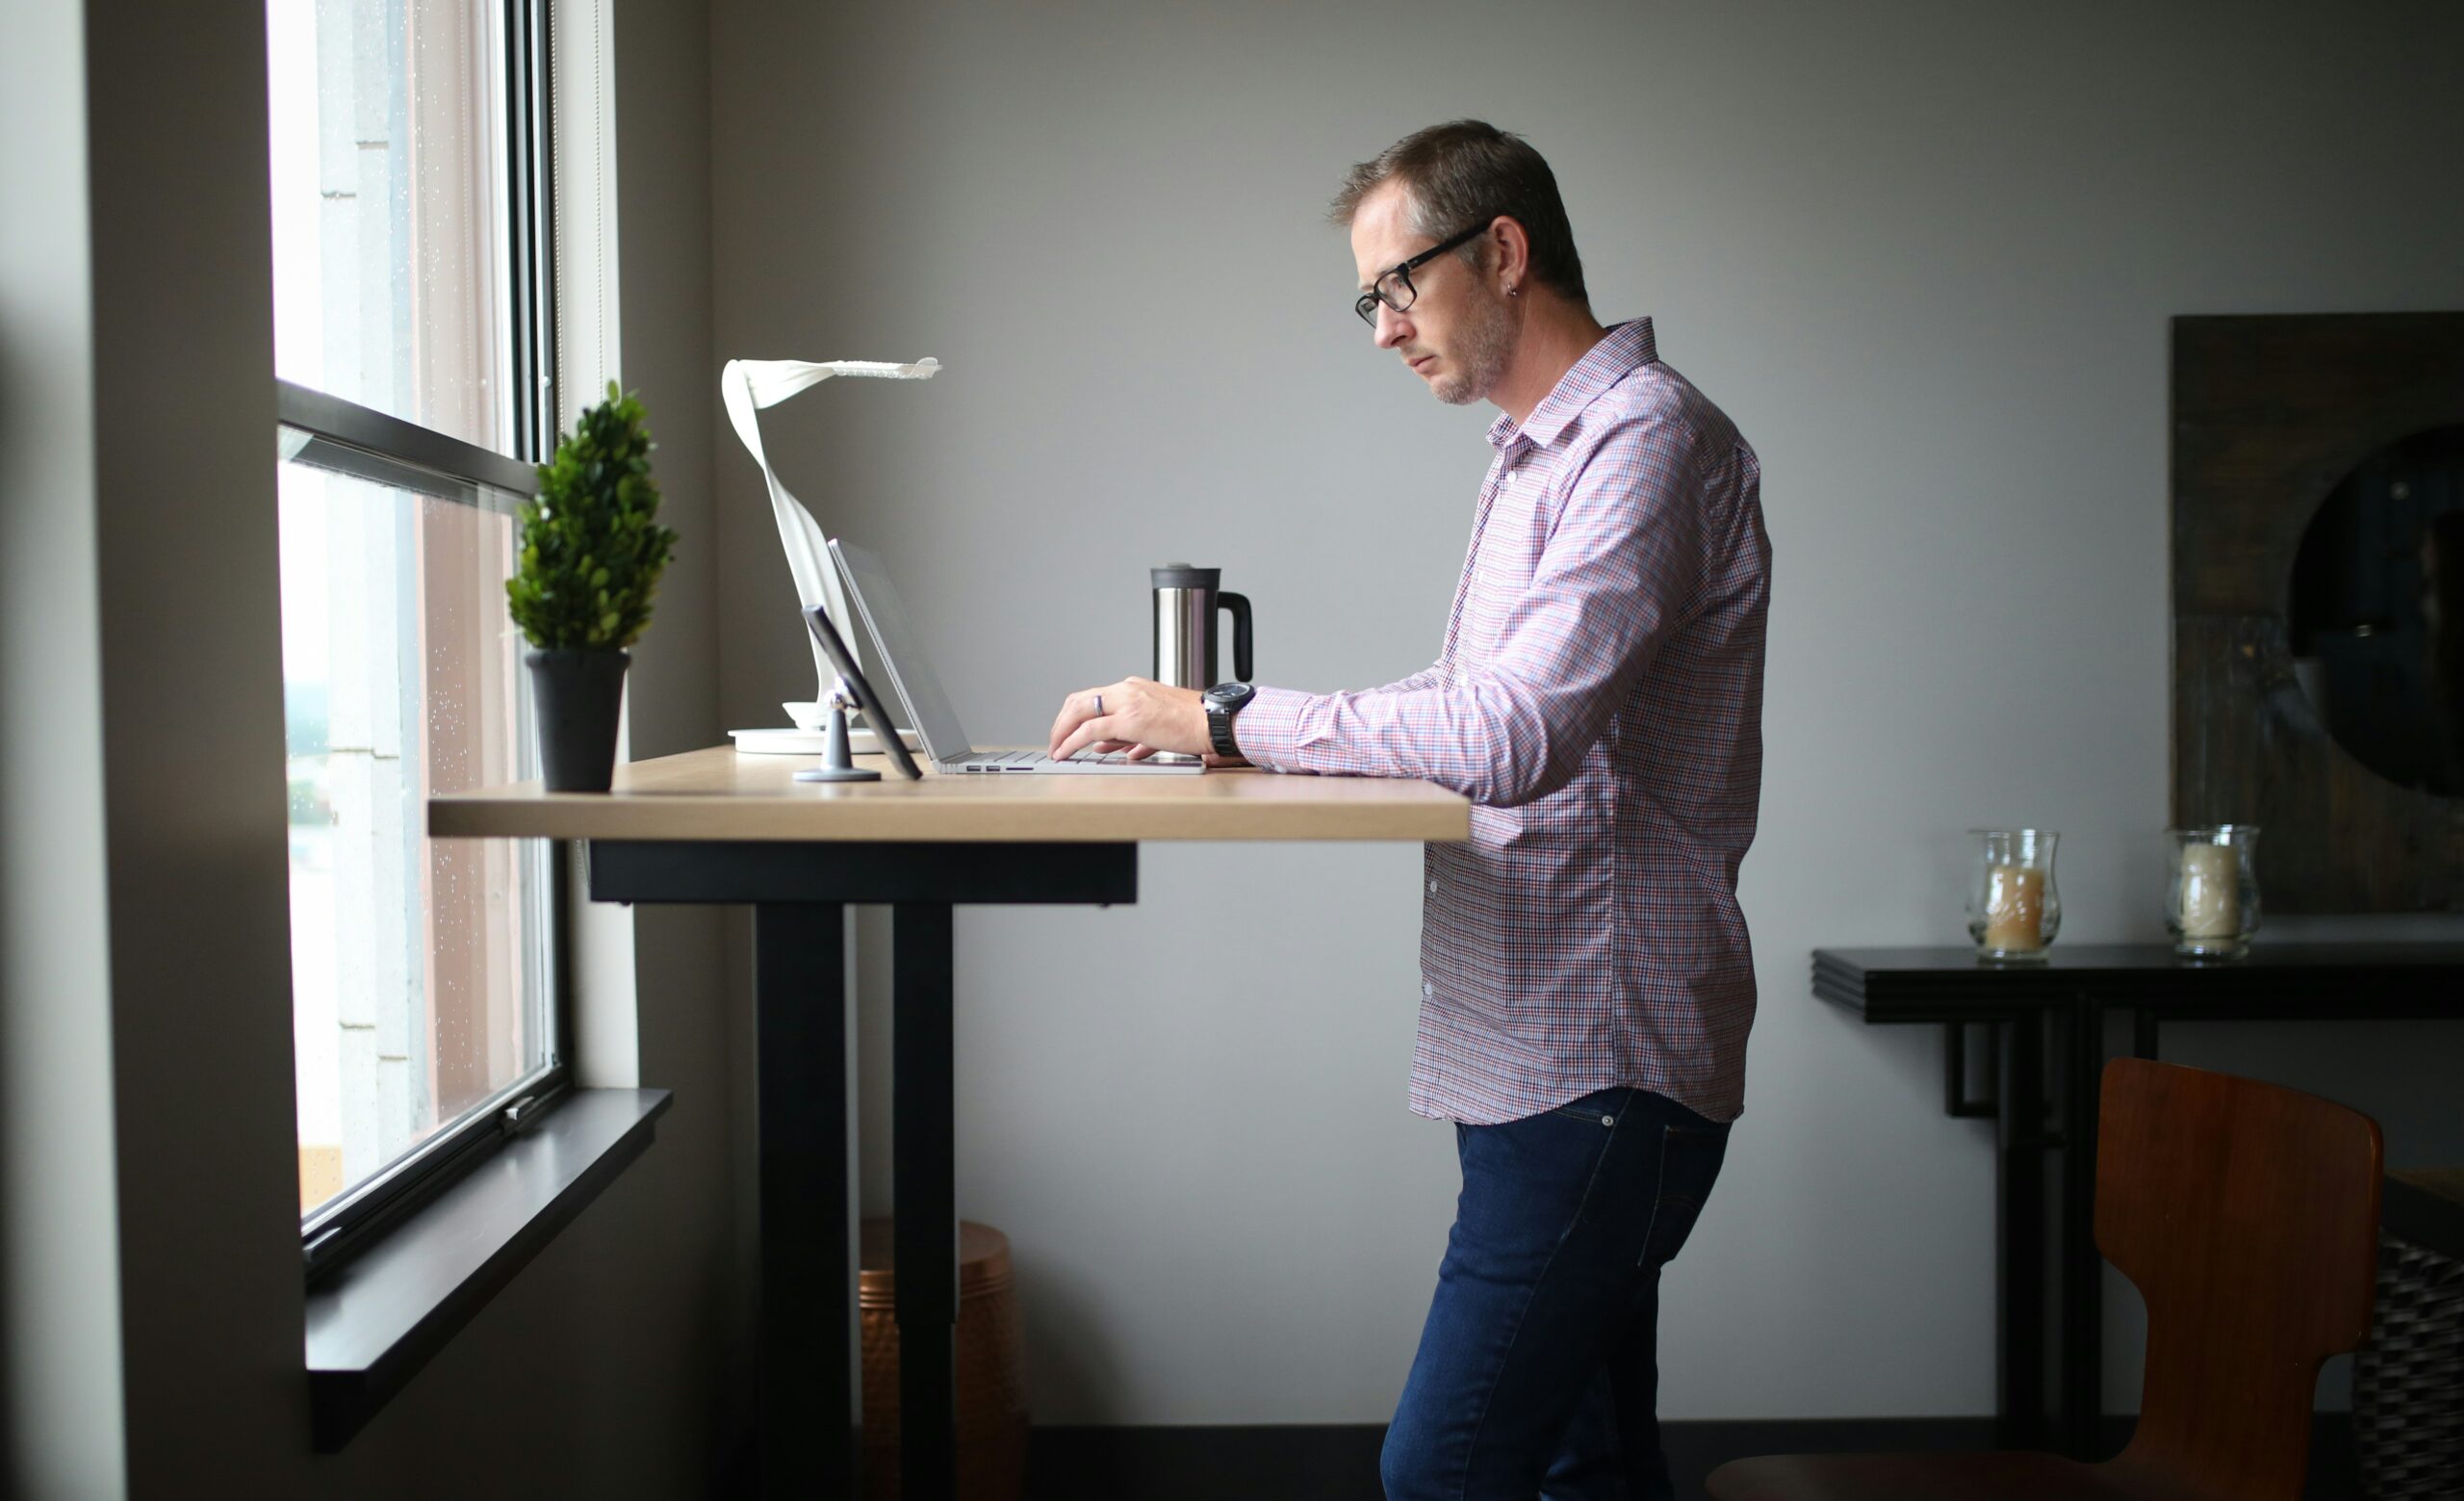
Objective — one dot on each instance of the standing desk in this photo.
(713, 827)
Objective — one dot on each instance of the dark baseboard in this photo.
(1339, 1462)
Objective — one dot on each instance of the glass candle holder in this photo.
(2212, 893)
(2013, 909)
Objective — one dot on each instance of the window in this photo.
(410, 306)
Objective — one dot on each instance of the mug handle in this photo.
(1239, 605)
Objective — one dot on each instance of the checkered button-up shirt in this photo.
(1599, 701)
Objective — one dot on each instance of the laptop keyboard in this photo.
(1024, 759)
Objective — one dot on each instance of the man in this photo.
(1586, 979)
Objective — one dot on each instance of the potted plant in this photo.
(591, 550)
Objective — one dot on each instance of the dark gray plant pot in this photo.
(577, 694)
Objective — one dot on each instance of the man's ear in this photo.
(1513, 250)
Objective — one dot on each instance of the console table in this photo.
(714, 827)
(2045, 1027)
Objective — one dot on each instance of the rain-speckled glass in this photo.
(392, 251)
(420, 968)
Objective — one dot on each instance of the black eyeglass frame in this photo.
(1365, 305)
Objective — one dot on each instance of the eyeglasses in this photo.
(1394, 288)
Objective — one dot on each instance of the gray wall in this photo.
(184, 534)
(1924, 254)
(61, 1417)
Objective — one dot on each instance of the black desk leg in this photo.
(2019, 1226)
(810, 1420)
(923, 1155)
(2083, 1269)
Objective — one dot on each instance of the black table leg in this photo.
(2019, 1226)
(2083, 1269)
(810, 1420)
(2143, 1024)
(923, 1156)
(807, 1221)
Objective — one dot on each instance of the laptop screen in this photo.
(902, 653)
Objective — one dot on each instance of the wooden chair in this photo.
(2247, 1215)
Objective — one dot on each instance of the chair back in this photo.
(2247, 1216)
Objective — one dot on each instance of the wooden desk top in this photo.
(720, 794)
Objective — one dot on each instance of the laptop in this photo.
(928, 708)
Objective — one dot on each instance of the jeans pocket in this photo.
(1548, 1165)
(1689, 1164)
(1588, 1115)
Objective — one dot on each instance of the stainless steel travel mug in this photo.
(1187, 602)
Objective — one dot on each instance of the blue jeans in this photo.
(1538, 1370)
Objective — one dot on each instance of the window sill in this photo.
(377, 1321)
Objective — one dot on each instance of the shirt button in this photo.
(1433, 888)
(1426, 989)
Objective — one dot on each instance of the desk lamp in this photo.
(747, 386)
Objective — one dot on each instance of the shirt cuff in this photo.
(1268, 728)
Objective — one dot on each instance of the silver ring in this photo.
(1100, 704)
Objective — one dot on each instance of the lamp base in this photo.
(837, 774)
(837, 764)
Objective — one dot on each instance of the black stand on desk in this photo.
(2048, 1025)
(810, 1423)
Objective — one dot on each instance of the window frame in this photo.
(331, 432)
(531, 224)
(327, 432)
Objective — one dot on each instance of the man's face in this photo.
(1458, 332)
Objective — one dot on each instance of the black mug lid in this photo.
(1181, 576)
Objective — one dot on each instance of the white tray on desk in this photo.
(789, 740)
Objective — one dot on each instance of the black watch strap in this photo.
(1221, 704)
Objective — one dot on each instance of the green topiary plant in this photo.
(592, 548)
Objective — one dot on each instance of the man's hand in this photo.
(1133, 715)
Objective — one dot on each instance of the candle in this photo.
(2211, 890)
(2013, 909)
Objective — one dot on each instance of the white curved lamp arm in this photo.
(746, 386)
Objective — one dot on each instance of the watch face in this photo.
(1231, 695)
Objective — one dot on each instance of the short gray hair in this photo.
(1463, 173)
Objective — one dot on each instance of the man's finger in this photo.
(1075, 712)
(1063, 722)
(1087, 734)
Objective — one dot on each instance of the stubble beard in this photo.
(1486, 342)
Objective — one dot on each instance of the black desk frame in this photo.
(799, 893)
(2046, 1026)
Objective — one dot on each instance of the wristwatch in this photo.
(1222, 702)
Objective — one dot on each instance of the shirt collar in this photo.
(1626, 348)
